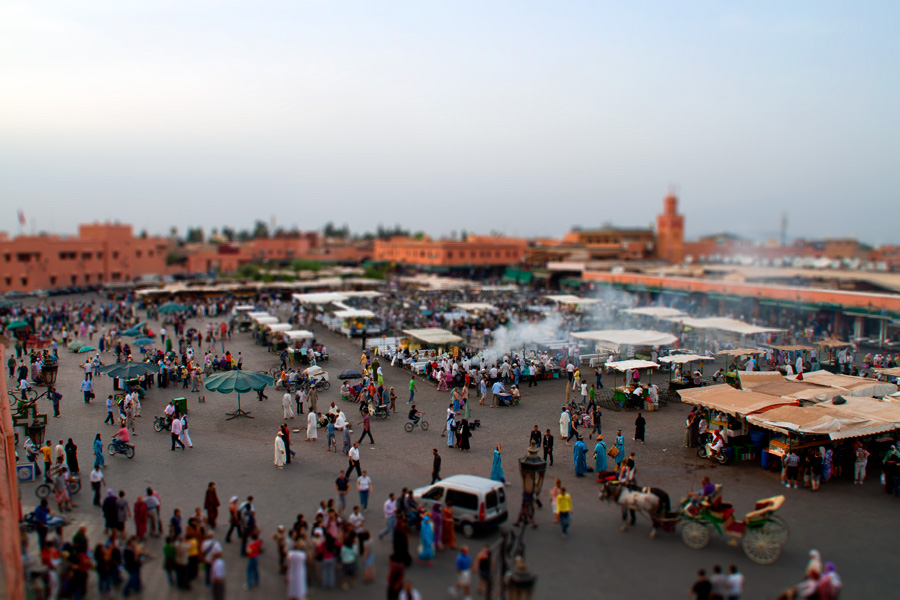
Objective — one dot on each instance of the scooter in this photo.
(162, 423)
(706, 451)
(118, 447)
(381, 411)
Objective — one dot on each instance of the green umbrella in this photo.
(75, 345)
(134, 332)
(128, 370)
(170, 308)
(240, 382)
(17, 324)
(144, 341)
(84, 349)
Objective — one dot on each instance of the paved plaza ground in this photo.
(853, 526)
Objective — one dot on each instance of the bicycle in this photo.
(410, 425)
(45, 490)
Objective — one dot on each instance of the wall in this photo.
(101, 253)
(475, 251)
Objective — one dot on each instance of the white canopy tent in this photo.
(276, 327)
(724, 324)
(660, 312)
(570, 299)
(433, 335)
(475, 306)
(298, 334)
(625, 365)
(354, 313)
(627, 337)
(680, 359)
(258, 314)
(266, 320)
(319, 297)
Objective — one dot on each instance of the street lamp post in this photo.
(520, 582)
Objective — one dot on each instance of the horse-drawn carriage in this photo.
(762, 533)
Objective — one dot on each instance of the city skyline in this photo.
(524, 119)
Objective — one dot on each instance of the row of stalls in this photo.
(333, 312)
(773, 414)
(270, 332)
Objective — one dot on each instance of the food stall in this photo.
(624, 394)
(297, 345)
(791, 352)
(440, 340)
(686, 380)
(615, 339)
(241, 316)
(737, 354)
(352, 322)
(834, 350)
(801, 427)
(728, 411)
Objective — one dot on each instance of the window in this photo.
(86, 255)
(115, 255)
(53, 280)
(137, 253)
(8, 281)
(434, 493)
(99, 255)
(23, 257)
(24, 281)
(462, 500)
(8, 257)
(74, 279)
(116, 276)
(491, 501)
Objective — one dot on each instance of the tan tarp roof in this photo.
(892, 372)
(851, 386)
(791, 347)
(724, 324)
(819, 420)
(749, 379)
(732, 401)
(654, 311)
(741, 352)
(796, 390)
(832, 343)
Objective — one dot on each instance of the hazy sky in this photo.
(518, 116)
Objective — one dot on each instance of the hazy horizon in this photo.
(525, 118)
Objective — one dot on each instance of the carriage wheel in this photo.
(760, 546)
(695, 535)
(777, 526)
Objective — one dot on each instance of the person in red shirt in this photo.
(254, 549)
(121, 437)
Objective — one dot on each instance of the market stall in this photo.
(736, 355)
(728, 411)
(615, 339)
(632, 388)
(688, 380)
(849, 385)
(435, 338)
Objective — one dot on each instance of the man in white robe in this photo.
(312, 432)
(564, 420)
(280, 454)
(286, 405)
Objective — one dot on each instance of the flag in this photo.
(21, 217)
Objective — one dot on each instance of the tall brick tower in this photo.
(670, 231)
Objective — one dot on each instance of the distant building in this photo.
(229, 257)
(475, 251)
(670, 232)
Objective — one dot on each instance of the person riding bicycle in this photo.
(414, 414)
(121, 438)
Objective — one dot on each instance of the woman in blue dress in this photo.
(426, 541)
(497, 468)
(580, 455)
(600, 455)
(620, 444)
(98, 452)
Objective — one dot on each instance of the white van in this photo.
(478, 503)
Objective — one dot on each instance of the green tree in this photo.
(194, 235)
(228, 233)
(260, 230)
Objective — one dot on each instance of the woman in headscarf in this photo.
(72, 457)
(620, 444)
(426, 542)
(110, 511)
(98, 452)
(828, 464)
(437, 522)
(448, 534)
(464, 435)
(579, 453)
(600, 464)
(814, 566)
(497, 467)
(140, 518)
(401, 542)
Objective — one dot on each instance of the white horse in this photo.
(654, 502)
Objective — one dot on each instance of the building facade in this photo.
(475, 251)
(100, 253)
(670, 232)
